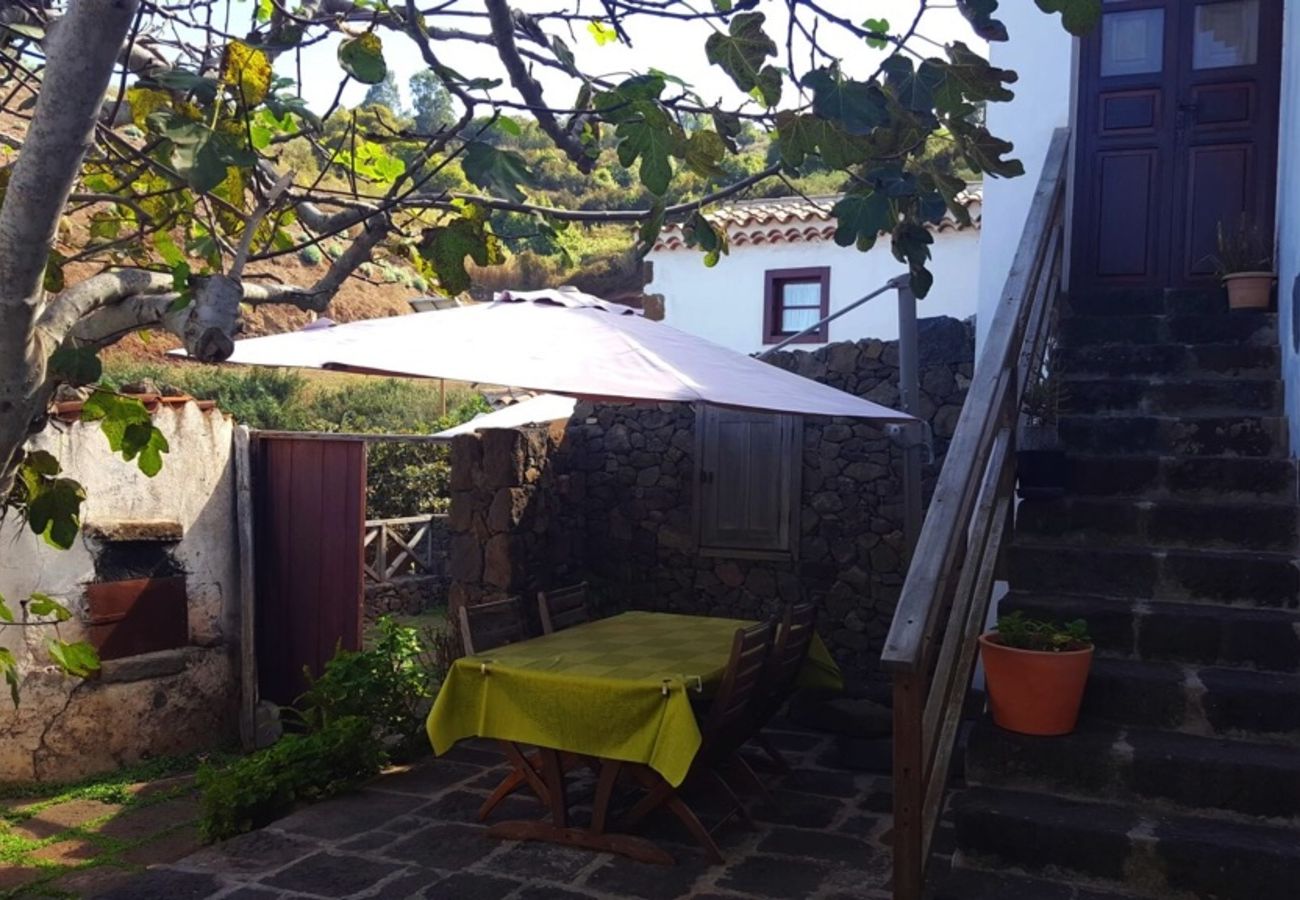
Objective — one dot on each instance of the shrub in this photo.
(311, 255)
(392, 684)
(257, 397)
(299, 768)
(1022, 633)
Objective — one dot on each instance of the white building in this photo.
(784, 273)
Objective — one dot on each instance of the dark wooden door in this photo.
(1177, 132)
(309, 520)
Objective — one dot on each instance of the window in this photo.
(1132, 43)
(1226, 34)
(794, 299)
(747, 468)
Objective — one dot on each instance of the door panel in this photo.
(1173, 141)
(1127, 195)
(1220, 178)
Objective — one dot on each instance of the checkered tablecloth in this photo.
(618, 688)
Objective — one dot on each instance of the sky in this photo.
(674, 47)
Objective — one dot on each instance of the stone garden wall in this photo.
(608, 498)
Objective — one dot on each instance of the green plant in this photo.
(391, 684)
(299, 768)
(1019, 632)
(1045, 391)
(1243, 247)
(311, 255)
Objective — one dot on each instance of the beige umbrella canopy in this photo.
(564, 342)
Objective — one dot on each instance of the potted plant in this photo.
(1245, 263)
(1036, 672)
(1040, 459)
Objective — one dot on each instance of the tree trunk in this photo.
(82, 49)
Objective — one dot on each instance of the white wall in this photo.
(1288, 218)
(66, 728)
(725, 304)
(1042, 53)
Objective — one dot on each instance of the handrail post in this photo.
(909, 390)
(909, 786)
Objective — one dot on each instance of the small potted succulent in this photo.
(1040, 458)
(1036, 671)
(1245, 263)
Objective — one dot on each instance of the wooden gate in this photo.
(309, 517)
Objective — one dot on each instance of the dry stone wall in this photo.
(608, 497)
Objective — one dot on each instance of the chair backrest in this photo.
(730, 715)
(563, 607)
(486, 626)
(788, 653)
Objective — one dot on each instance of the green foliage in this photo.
(1243, 247)
(311, 255)
(432, 102)
(299, 768)
(129, 428)
(392, 684)
(256, 397)
(366, 707)
(1078, 16)
(742, 53)
(1022, 633)
(362, 57)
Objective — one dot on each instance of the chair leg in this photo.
(775, 755)
(737, 807)
(516, 779)
(695, 827)
(746, 775)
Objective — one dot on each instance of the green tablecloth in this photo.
(614, 688)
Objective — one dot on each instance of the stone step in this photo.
(966, 883)
(1174, 360)
(1212, 576)
(1198, 633)
(1259, 328)
(1160, 522)
(1195, 774)
(1142, 435)
(1148, 302)
(1207, 700)
(1157, 855)
(1224, 478)
(1170, 396)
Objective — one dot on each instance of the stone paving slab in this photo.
(413, 835)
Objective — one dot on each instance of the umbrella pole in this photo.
(909, 392)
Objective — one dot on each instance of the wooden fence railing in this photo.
(931, 647)
(400, 547)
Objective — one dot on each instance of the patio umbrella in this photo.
(564, 342)
(537, 410)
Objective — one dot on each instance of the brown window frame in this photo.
(773, 281)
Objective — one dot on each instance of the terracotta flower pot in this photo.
(1249, 290)
(1033, 691)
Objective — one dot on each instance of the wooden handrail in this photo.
(931, 646)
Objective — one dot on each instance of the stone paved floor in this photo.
(411, 834)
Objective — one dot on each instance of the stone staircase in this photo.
(1177, 542)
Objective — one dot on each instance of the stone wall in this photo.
(507, 537)
(168, 701)
(609, 499)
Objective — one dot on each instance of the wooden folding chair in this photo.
(724, 729)
(484, 627)
(563, 608)
(789, 653)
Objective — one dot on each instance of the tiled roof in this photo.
(786, 220)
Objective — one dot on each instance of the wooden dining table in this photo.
(608, 692)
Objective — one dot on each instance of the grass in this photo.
(127, 796)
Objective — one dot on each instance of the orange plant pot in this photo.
(1249, 290)
(1031, 691)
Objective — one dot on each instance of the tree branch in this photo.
(84, 297)
(503, 30)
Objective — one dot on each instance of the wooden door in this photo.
(1177, 132)
(309, 528)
